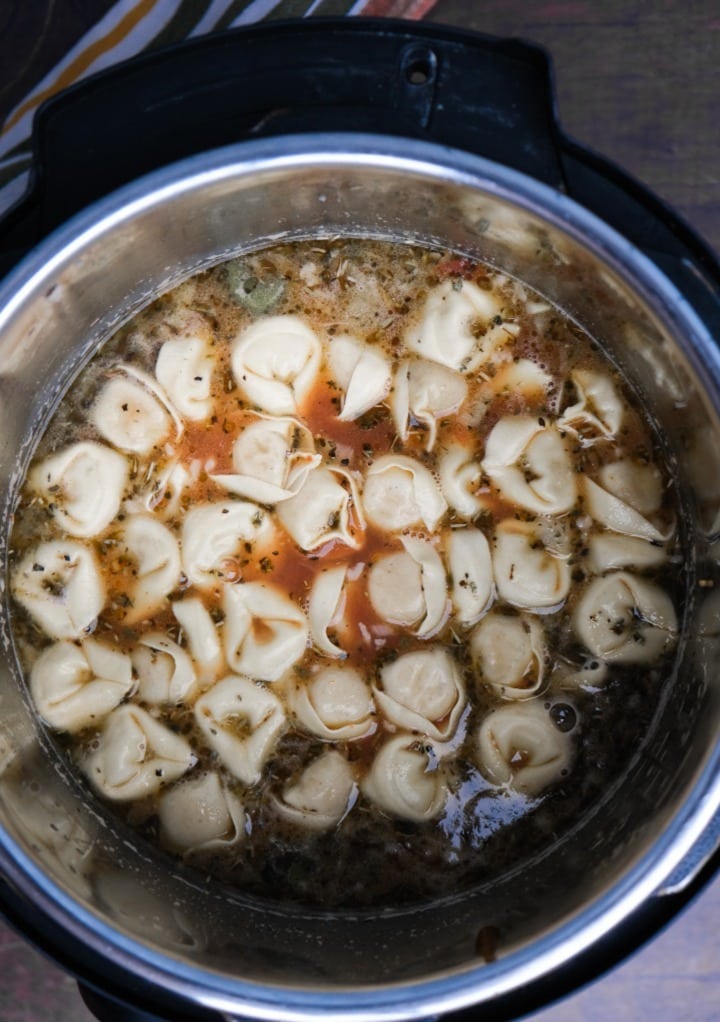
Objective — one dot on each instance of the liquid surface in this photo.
(345, 572)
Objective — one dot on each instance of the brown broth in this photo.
(372, 290)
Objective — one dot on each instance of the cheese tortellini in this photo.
(85, 483)
(453, 319)
(598, 412)
(423, 393)
(460, 479)
(405, 779)
(400, 493)
(322, 795)
(471, 571)
(201, 815)
(136, 755)
(265, 633)
(527, 573)
(214, 535)
(131, 416)
(369, 555)
(184, 369)
(74, 686)
(272, 459)
(529, 463)
(422, 692)
(335, 704)
(326, 508)
(325, 606)
(362, 372)
(510, 654)
(60, 585)
(165, 671)
(274, 362)
(410, 588)
(623, 618)
(154, 549)
(519, 745)
(241, 720)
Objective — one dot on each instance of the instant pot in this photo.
(383, 129)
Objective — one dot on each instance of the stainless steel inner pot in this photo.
(164, 929)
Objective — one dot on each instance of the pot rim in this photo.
(460, 987)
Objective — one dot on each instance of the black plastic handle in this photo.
(488, 96)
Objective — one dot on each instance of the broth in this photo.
(347, 572)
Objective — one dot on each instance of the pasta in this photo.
(135, 755)
(201, 815)
(520, 746)
(336, 573)
(336, 704)
(511, 654)
(241, 720)
(322, 795)
(88, 481)
(274, 362)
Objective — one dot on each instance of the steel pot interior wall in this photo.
(60, 848)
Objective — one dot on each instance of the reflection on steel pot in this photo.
(185, 948)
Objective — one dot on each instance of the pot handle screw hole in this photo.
(419, 65)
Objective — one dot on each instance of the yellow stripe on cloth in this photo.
(81, 63)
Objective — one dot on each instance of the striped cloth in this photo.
(131, 26)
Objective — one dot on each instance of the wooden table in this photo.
(639, 81)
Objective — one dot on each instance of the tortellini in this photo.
(400, 492)
(184, 369)
(59, 584)
(74, 686)
(453, 318)
(202, 637)
(405, 779)
(335, 704)
(275, 361)
(214, 534)
(362, 372)
(616, 515)
(460, 477)
(598, 411)
(241, 720)
(356, 559)
(264, 633)
(136, 755)
(529, 463)
(636, 483)
(326, 508)
(165, 671)
(272, 459)
(164, 493)
(322, 795)
(519, 745)
(528, 574)
(422, 691)
(154, 549)
(85, 484)
(410, 588)
(201, 815)
(510, 653)
(325, 605)
(607, 550)
(131, 416)
(471, 571)
(424, 392)
(625, 619)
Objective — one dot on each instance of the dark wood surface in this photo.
(640, 82)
